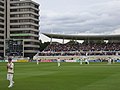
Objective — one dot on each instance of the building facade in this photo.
(22, 23)
(2, 25)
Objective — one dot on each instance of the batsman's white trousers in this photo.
(10, 78)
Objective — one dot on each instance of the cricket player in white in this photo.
(10, 72)
(109, 60)
(81, 60)
(36, 57)
(86, 61)
(58, 61)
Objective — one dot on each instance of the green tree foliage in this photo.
(43, 45)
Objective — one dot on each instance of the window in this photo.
(1, 9)
(1, 15)
(14, 4)
(2, 32)
(1, 26)
(1, 37)
(14, 0)
(13, 10)
(1, 4)
(1, 20)
(14, 15)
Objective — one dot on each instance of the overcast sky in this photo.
(80, 16)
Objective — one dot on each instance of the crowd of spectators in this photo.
(82, 49)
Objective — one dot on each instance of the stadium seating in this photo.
(81, 49)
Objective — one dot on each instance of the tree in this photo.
(43, 45)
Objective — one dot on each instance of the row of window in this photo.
(1, 31)
(24, 37)
(24, 4)
(1, 43)
(24, 15)
(1, 20)
(1, 9)
(24, 20)
(1, 15)
(14, 0)
(1, 37)
(1, 4)
(30, 48)
(1, 26)
(24, 26)
(32, 43)
(24, 10)
(25, 31)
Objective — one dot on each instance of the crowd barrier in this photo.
(2, 60)
(56, 61)
(74, 60)
(67, 59)
(16, 60)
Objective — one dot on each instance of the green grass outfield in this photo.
(70, 76)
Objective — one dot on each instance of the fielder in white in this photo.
(10, 72)
(36, 57)
(86, 60)
(109, 60)
(81, 60)
(58, 61)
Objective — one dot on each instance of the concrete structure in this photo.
(86, 38)
(21, 22)
(2, 25)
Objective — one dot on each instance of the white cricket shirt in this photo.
(11, 67)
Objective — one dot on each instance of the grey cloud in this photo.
(101, 18)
